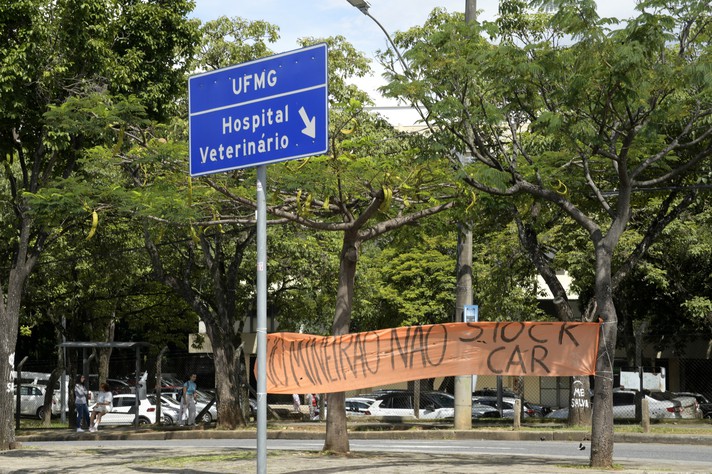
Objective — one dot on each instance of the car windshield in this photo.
(441, 400)
(170, 381)
(661, 396)
(168, 400)
(203, 396)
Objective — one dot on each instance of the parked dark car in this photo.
(117, 386)
(492, 392)
(529, 408)
(483, 411)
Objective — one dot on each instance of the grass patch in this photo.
(183, 461)
(36, 423)
(584, 467)
(665, 428)
(659, 428)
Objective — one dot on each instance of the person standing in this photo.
(81, 397)
(309, 400)
(104, 404)
(295, 401)
(187, 401)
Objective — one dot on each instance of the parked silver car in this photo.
(169, 411)
(170, 397)
(703, 403)
(661, 405)
(685, 406)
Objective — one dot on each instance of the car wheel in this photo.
(207, 418)
(708, 416)
(142, 420)
(41, 412)
(167, 420)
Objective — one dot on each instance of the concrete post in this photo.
(645, 415)
(517, 414)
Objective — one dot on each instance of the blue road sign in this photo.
(260, 112)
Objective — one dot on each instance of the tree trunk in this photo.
(226, 359)
(9, 320)
(10, 304)
(54, 377)
(105, 352)
(337, 439)
(602, 430)
(579, 413)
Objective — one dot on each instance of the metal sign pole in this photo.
(261, 319)
(239, 117)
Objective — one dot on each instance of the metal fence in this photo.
(683, 391)
(548, 397)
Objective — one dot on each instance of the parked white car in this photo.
(358, 405)
(433, 405)
(32, 401)
(124, 411)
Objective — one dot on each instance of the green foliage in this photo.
(567, 107)
(408, 279)
(228, 41)
(303, 275)
(79, 81)
(502, 275)
(674, 279)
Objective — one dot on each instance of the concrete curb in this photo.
(435, 434)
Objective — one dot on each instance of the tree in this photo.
(81, 60)
(406, 280)
(208, 239)
(369, 184)
(672, 279)
(408, 277)
(588, 116)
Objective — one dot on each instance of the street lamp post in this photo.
(464, 386)
(363, 6)
(463, 383)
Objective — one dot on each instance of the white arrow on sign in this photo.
(309, 124)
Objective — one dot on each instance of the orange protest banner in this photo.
(302, 363)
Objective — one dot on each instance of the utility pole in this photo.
(470, 10)
(463, 383)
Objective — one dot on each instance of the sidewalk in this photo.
(107, 460)
(102, 457)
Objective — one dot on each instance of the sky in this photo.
(323, 18)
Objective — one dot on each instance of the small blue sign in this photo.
(471, 313)
(260, 112)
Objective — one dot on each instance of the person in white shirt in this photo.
(104, 404)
